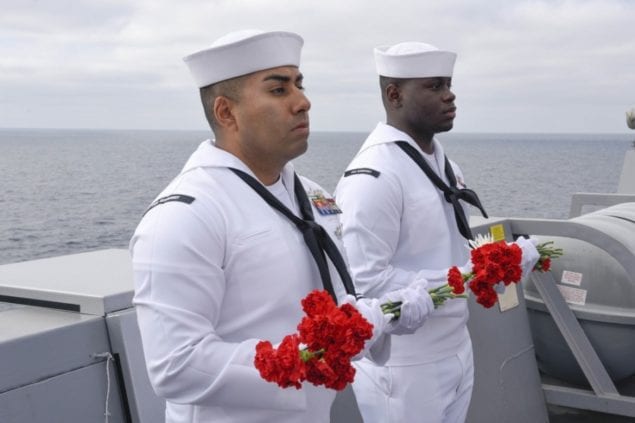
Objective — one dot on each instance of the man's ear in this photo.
(393, 95)
(224, 112)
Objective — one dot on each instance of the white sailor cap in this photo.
(413, 60)
(243, 52)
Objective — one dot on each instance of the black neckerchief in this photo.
(315, 237)
(451, 193)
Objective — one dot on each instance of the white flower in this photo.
(480, 240)
(630, 118)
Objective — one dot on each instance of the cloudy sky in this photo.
(523, 66)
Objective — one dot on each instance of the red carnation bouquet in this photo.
(494, 266)
(328, 338)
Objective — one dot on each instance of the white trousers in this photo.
(436, 392)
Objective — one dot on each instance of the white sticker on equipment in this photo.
(573, 295)
(571, 278)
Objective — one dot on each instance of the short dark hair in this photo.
(230, 88)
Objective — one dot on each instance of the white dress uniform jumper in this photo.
(216, 270)
(398, 227)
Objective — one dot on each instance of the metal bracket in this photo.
(605, 397)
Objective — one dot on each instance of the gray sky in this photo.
(523, 66)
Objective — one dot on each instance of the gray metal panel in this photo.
(98, 282)
(617, 221)
(601, 247)
(345, 408)
(581, 199)
(587, 400)
(609, 292)
(125, 339)
(37, 343)
(507, 386)
(78, 396)
(574, 335)
(612, 343)
(612, 231)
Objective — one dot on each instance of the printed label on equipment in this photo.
(497, 232)
(573, 295)
(508, 299)
(571, 278)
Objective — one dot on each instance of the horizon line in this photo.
(314, 131)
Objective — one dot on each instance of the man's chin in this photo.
(300, 148)
(446, 126)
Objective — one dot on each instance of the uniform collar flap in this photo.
(207, 155)
(384, 134)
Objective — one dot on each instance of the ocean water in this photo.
(69, 191)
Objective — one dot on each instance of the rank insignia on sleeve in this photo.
(324, 206)
(187, 199)
(362, 171)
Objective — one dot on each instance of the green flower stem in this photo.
(544, 249)
(392, 308)
(306, 355)
(440, 290)
(439, 299)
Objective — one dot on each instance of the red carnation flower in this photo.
(332, 336)
(318, 372)
(545, 265)
(282, 366)
(455, 280)
(318, 303)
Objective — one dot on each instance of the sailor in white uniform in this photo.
(399, 226)
(218, 266)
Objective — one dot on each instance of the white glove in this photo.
(416, 306)
(530, 254)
